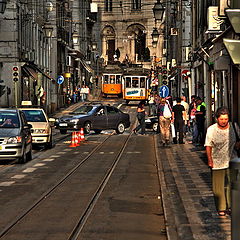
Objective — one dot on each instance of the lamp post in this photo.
(3, 4)
(158, 11)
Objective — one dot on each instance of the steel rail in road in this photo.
(92, 202)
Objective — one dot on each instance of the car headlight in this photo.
(74, 121)
(17, 139)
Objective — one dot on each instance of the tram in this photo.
(135, 84)
(112, 81)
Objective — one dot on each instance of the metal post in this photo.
(16, 93)
(235, 192)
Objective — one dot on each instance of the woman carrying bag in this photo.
(141, 118)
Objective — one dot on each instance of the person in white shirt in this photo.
(220, 146)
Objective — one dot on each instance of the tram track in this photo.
(13, 226)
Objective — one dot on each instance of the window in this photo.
(128, 82)
(142, 82)
(135, 82)
(111, 110)
(108, 5)
(118, 79)
(112, 79)
(105, 79)
(34, 115)
(136, 4)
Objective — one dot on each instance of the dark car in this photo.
(95, 117)
(15, 136)
(152, 123)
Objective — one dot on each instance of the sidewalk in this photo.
(187, 196)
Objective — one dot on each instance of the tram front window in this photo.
(106, 79)
(112, 79)
(142, 82)
(135, 82)
(118, 79)
(128, 82)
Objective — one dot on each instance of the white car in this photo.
(41, 126)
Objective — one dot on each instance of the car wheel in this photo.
(97, 131)
(120, 128)
(23, 158)
(87, 127)
(155, 127)
(63, 131)
(49, 145)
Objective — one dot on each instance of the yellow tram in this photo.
(135, 84)
(112, 81)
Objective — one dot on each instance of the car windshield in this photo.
(83, 110)
(9, 120)
(34, 115)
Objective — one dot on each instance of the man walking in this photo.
(200, 119)
(178, 116)
(220, 143)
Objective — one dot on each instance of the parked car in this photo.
(152, 123)
(95, 117)
(41, 125)
(15, 136)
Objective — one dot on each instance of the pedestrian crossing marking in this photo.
(48, 159)
(28, 170)
(39, 165)
(6, 184)
(20, 176)
(54, 156)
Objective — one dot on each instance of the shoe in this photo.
(134, 131)
(222, 214)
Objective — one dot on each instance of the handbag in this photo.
(237, 138)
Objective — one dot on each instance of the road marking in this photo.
(54, 156)
(101, 152)
(111, 152)
(28, 170)
(76, 152)
(6, 184)
(61, 152)
(20, 176)
(134, 152)
(48, 159)
(85, 152)
(68, 149)
(39, 165)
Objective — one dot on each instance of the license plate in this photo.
(63, 124)
(0, 147)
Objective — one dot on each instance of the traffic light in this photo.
(15, 74)
(164, 76)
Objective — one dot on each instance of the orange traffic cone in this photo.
(82, 134)
(74, 143)
(79, 137)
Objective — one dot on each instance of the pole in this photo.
(16, 93)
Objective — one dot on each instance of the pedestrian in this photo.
(192, 119)
(178, 118)
(200, 120)
(220, 146)
(141, 118)
(164, 116)
(152, 105)
(186, 116)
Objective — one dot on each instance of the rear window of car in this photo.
(35, 115)
(83, 110)
(9, 120)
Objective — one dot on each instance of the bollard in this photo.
(235, 192)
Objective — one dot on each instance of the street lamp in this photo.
(158, 10)
(234, 18)
(154, 44)
(94, 46)
(75, 37)
(3, 4)
(155, 35)
(233, 47)
(48, 29)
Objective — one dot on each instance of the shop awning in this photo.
(86, 66)
(32, 73)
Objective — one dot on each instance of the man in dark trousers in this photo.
(178, 114)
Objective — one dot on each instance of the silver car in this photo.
(15, 136)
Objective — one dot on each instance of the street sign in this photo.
(164, 91)
(60, 79)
